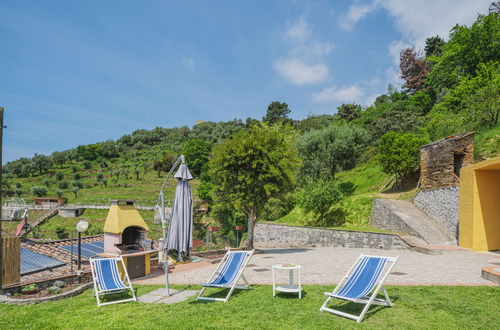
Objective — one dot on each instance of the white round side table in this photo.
(290, 287)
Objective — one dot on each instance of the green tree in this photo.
(39, 191)
(318, 197)
(277, 112)
(477, 98)
(329, 150)
(196, 152)
(59, 192)
(163, 164)
(59, 176)
(349, 111)
(399, 154)
(77, 176)
(59, 158)
(46, 182)
(75, 191)
(434, 46)
(42, 163)
(252, 167)
(464, 51)
(63, 184)
(87, 165)
(18, 192)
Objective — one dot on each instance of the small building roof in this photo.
(449, 138)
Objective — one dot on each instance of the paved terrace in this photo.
(328, 265)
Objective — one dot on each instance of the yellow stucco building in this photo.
(479, 227)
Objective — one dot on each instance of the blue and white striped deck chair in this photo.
(361, 285)
(106, 277)
(227, 274)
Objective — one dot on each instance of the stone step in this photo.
(403, 217)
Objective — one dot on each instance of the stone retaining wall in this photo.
(282, 236)
(442, 206)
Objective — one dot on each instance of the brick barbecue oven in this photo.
(125, 233)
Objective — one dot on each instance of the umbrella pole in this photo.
(161, 200)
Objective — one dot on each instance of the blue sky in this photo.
(82, 72)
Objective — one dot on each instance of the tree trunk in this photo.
(251, 224)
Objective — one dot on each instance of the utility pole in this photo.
(1, 201)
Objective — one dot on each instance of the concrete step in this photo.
(403, 217)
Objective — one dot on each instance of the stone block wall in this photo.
(442, 206)
(282, 236)
(437, 160)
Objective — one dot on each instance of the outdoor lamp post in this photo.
(81, 227)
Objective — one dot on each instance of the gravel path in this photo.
(328, 265)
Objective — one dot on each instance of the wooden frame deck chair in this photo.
(227, 274)
(107, 280)
(366, 276)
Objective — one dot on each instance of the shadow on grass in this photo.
(290, 295)
(217, 293)
(356, 308)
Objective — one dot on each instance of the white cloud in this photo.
(418, 20)
(395, 49)
(350, 94)
(301, 73)
(299, 30)
(188, 62)
(355, 14)
(304, 62)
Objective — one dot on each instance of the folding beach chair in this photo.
(107, 279)
(228, 274)
(368, 272)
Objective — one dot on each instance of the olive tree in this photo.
(253, 166)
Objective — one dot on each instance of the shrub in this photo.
(18, 192)
(399, 153)
(39, 191)
(74, 168)
(77, 176)
(59, 176)
(46, 182)
(319, 197)
(63, 184)
(87, 165)
(77, 184)
(59, 193)
(329, 150)
(61, 233)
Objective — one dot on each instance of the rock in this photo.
(60, 284)
(54, 290)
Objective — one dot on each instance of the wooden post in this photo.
(1, 202)
(11, 262)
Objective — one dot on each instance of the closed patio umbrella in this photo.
(180, 231)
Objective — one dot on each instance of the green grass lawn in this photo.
(415, 307)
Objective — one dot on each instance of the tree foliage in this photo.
(349, 112)
(414, 69)
(325, 152)
(197, 152)
(318, 197)
(253, 166)
(399, 153)
(277, 112)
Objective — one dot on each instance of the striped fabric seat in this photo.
(229, 270)
(107, 279)
(362, 283)
(363, 279)
(108, 276)
(227, 274)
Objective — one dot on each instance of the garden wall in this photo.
(442, 206)
(282, 236)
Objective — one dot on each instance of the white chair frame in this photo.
(98, 291)
(372, 299)
(231, 286)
